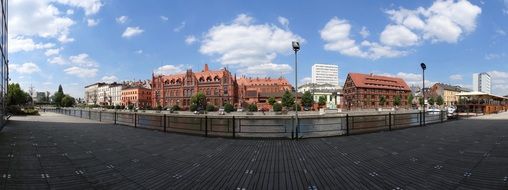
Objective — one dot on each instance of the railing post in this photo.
(114, 117)
(206, 126)
(420, 115)
(233, 126)
(390, 121)
(81, 113)
(89, 114)
(442, 116)
(292, 128)
(100, 116)
(164, 118)
(347, 124)
(135, 120)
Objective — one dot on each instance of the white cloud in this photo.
(247, 46)
(83, 60)
(65, 39)
(139, 51)
(18, 43)
(190, 39)
(491, 56)
(398, 35)
(164, 18)
(121, 19)
(283, 21)
(25, 68)
(410, 78)
(52, 52)
(456, 77)
(336, 34)
(109, 79)
(180, 27)
(59, 60)
(364, 32)
(90, 6)
(499, 82)
(266, 69)
(305, 80)
(169, 69)
(37, 18)
(505, 10)
(500, 32)
(69, 12)
(131, 32)
(444, 21)
(81, 71)
(92, 22)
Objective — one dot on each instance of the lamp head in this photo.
(423, 66)
(296, 45)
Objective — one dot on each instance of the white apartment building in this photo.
(481, 82)
(332, 93)
(325, 74)
(91, 93)
(116, 94)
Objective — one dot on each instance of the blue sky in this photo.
(79, 42)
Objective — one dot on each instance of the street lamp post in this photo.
(296, 47)
(423, 89)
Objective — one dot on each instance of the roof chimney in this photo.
(371, 74)
(206, 67)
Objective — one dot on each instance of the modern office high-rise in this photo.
(481, 82)
(5, 69)
(325, 74)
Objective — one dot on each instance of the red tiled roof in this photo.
(379, 82)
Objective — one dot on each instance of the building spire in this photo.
(206, 67)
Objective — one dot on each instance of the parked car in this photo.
(434, 111)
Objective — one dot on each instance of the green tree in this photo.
(322, 100)
(439, 101)
(193, 107)
(410, 99)
(228, 107)
(175, 108)
(396, 101)
(421, 101)
(288, 100)
(271, 100)
(67, 101)
(307, 99)
(431, 101)
(210, 107)
(252, 107)
(16, 96)
(277, 107)
(199, 100)
(58, 96)
(382, 100)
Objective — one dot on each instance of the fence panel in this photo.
(405, 120)
(193, 125)
(368, 123)
(125, 118)
(264, 127)
(321, 126)
(150, 121)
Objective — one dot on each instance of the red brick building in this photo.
(138, 96)
(364, 91)
(258, 90)
(219, 87)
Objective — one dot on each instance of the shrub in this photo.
(14, 110)
(277, 107)
(252, 107)
(117, 107)
(175, 108)
(228, 108)
(130, 106)
(193, 107)
(298, 107)
(210, 107)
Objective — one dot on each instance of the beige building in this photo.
(92, 93)
(448, 92)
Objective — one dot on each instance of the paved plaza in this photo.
(54, 151)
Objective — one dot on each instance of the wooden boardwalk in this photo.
(54, 151)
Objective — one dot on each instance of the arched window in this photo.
(208, 79)
(216, 79)
(201, 79)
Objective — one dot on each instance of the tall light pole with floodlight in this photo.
(296, 47)
(423, 89)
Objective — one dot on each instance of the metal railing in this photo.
(277, 126)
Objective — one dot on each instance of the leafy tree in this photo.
(175, 108)
(130, 107)
(307, 99)
(210, 107)
(288, 100)
(298, 107)
(58, 96)
(67, 101)
(193, 107)
(252, 107)
(382, 100)
(410, 99)
(322, 100)
(439, 101)
(228, 107)
(16, 96)
(396, 101)
(277, 107)
(199, 100)
(421, 101)
(271, 100)
(431, 101)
